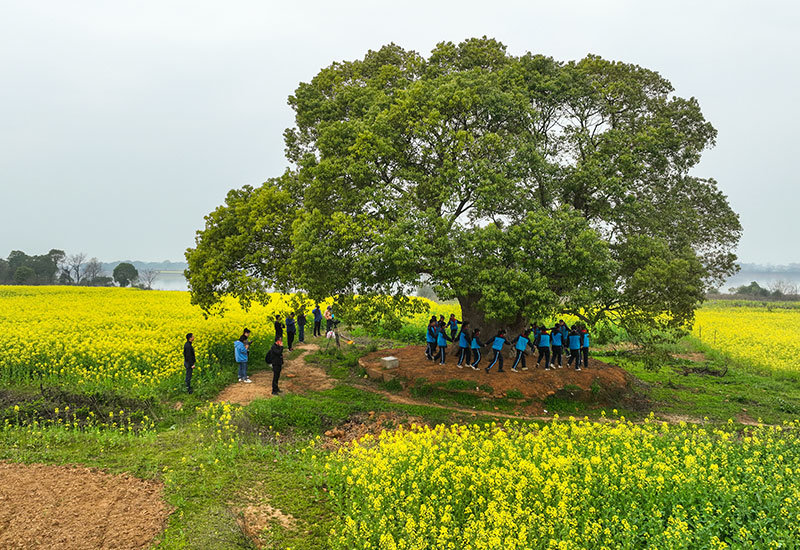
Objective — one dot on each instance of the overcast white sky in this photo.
(123, 123)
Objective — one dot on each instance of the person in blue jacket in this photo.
(476, 346)
(585, 347)
(557, 342)
(430, 338)
(463, 345)
(291, 330)
(317, 321)
(240, 354)
(441, 341)
(521, 344)
(497, 347)
(543, 345)
(574, 341)
(452, 324)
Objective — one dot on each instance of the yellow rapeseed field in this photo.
(767, 337)
(118, 338)
(567, 486)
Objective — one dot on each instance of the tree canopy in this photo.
(125, 274)
(520, 185)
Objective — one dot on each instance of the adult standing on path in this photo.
(291, 330)
(188, 360)
(278, 328)
(329, 319)
(241, 352)
(317, 321)
(276, 360)
(301, 327)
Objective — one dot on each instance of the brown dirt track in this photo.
(75, 508)
(535, 384)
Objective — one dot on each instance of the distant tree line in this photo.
(58, 268)
(777, 291)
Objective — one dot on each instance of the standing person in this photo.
(241, 352)
(278, 328)
(463, 345)
(452, 324)
(276, 359)
(564, 330)
(188, 360)
(543, 345)
(329, 319)
(497, 347)
(441, 341)
(585, 347)
(521, 344)
(430, 339)
(476, 346)
(557, 340)
(574, 340)
(291, 330)
(301, 327)
(317, 321)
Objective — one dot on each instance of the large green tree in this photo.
(521, 186)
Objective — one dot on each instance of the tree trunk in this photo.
(490, 327)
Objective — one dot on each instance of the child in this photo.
(476, 345)
(585, 347)
(497, 347)
(463, 345)
(430, 338)
(557, 339)
(574, 339)
(275, 358)
(522, 341)
(543, 344)
(452, 324)
(441, 341)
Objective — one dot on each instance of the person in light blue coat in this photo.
(241, 351)
(497, 347)
(463, 345)
(574, 341)
(441, 341)
(521, 344)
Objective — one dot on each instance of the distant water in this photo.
(170, 281)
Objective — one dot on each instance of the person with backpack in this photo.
(441, 341)
(278, 328)
(291, 330)
(476, 346)
(189, 360)
(585, 347)
(521, 343)
(275, 358)
(463, 345)
(241, 350)
(317, 321)
(543, 345)
(452, 324)
(301, 327)
(497, 347)
(574, 340)
(557, 341)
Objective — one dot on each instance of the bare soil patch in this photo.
(257, 517)
(77, 508)
(534, 384)
(297, 376)
(371, 423)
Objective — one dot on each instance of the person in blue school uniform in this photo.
(521, 344)
(574, 341)
(497, 347)
(463, 345)
(585, 347)
(430, 338)
(476, 346)
(452, 324)
(557, 343)
(543, 345)
(441, 341)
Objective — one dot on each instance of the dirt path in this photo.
(297, 376)
(75, 508)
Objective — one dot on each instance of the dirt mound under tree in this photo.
(62, 507)
(601, 381)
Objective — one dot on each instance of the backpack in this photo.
(268, 358)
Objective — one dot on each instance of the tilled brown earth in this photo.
(76, 508)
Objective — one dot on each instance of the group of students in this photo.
(297, 327)
(551, 343)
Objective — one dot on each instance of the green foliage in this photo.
(22, 269)
(125, 274)
(522, 186)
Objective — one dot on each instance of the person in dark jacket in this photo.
(188, 360)
(291, 330)
(574, 341)
(521, 344)
(476, 346)
(497, 347)
(463, 345)
(317, 321)
(276, 359)
(301, 327)
(278, 328)
(543, 345)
